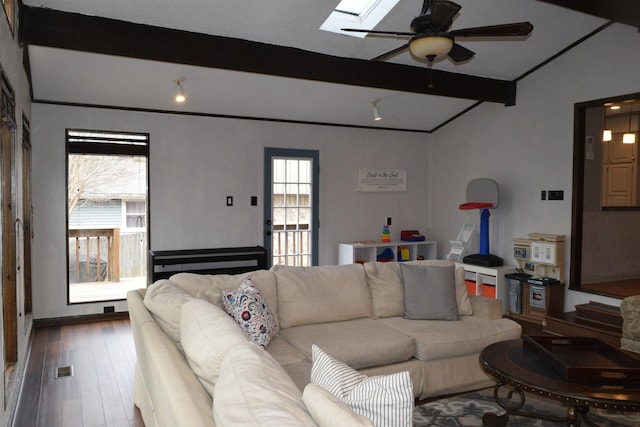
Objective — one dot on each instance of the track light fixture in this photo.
(180, 97)
(376, 113)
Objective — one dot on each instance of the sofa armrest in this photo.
(630, 307)
(630, 312)
(166, 390)
(486, 308)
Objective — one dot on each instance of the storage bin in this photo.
(488, 291)
(471, 287)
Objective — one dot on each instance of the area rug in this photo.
(467, 410)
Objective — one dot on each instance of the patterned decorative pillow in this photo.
(249, 309)
(387, 400)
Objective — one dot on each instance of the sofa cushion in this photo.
(360, 343)
(210, 286)
(164, 300)
(329, 411)
(437, 339)
(283, 352)
(300, 373)
(207, 333)
(385, 285)
(331, 293)
(429, 292)
(465, 308)
(385, 400)
(251, 312)
(254, 390)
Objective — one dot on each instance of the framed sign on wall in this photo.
(378, 180)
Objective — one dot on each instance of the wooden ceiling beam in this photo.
(64, 30)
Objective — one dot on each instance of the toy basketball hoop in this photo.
(482, 194)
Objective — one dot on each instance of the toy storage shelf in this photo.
(488, 281)
(349, 253)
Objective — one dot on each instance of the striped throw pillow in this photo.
(387, 400)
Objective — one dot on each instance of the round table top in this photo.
(512, 364)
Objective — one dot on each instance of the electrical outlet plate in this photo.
(556, 194)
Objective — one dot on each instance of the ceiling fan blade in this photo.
(460, 53)
(504, 30)
(442, 13)
(391, 53)
(426, 5)
(391, 33)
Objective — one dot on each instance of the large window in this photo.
(107, 214)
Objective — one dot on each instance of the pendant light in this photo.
(629, 137)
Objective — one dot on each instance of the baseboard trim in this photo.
(71, 320)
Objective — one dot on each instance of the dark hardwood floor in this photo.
(100, 391)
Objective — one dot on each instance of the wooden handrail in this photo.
(113, 251)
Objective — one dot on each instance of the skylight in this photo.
(361, 14)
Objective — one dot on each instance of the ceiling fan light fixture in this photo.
(607, 135)
(428, 46)
(180, 96)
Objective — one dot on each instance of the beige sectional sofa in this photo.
(352, 312)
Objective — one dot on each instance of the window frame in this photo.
(101, 142)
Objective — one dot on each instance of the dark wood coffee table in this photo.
(519, 370)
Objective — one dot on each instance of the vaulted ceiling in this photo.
(269, 60)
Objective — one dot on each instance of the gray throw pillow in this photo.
(429, 292)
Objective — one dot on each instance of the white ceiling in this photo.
(67, 76)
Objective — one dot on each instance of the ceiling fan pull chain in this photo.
(429, 73)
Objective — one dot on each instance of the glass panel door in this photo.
(291, 207)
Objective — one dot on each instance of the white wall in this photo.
(529, 147)
(195, 162)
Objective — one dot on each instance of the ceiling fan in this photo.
(431, 38)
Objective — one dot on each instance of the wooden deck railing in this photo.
(113, 251)
(292, 247)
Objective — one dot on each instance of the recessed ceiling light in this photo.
(615, 107)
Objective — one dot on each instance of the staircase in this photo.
(592, 319)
